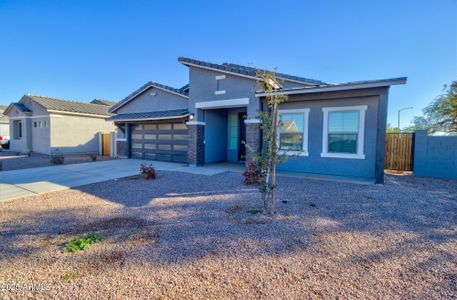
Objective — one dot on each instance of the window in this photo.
(34, 124)
(45, 124)
(293, 131)
(219, 91)
(17, 127)
(343, 132)
(120, 132)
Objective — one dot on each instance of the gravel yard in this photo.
(12, 161)
(187, 236)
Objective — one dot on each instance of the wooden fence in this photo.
(399, 151)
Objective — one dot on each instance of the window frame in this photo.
(218, 88)
(361, 109)
(305, 151)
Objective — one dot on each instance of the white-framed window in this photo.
(343, 132)
(219, 91)
(293, 131)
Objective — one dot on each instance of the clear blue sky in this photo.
(106, 49)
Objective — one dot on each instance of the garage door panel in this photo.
(164, 141)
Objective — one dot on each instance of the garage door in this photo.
(161, 141)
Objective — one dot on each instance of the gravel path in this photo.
(12, 161)
(187, 236)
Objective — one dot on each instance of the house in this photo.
(44, 125)
(4, 127)
(331, 129)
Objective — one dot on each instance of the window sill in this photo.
(293, 153)
(219, 93)
(121, 139)
(343, 155)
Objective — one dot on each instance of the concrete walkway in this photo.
(28, 182)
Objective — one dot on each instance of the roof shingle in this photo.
(71, 106)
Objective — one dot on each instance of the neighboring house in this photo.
(4, 127)
(331, 129)
(45, 125)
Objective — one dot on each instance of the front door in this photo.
(242, 137)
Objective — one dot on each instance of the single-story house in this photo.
(46, 125)
(331, 129)
(4, 126)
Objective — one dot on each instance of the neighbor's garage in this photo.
(159, 141)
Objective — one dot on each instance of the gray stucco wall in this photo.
(435, 156)
(314, 163)
(76, 134)
(146, 102)
(203, 84)
(23, 144)
(41, 135)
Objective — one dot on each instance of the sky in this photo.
(83, 50)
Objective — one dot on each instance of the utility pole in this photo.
(400, 110)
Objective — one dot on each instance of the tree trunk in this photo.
(272, 209)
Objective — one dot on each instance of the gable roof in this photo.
(155, 115)
(144, 87)
(103, 102)
(70, 106)
(351, 85)
(245, 71)
(20, 106)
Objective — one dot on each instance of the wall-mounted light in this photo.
(191, 116)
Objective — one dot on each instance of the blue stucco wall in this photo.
(435, 156)
(215, 135)
(314, 163)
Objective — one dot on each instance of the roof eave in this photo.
(335, 88)
(148, 119)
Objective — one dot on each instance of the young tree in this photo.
(270, 122)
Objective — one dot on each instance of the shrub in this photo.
(57, 159)
(93, 157)
(148, 172)
(254, 173)
(82, 242)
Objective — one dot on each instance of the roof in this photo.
(155, 115)
(144, 87)
(351, 85)
(103, 102)
(70, 106)
(245, 70)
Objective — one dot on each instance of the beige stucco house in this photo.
(47, 125)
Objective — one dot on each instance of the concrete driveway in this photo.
(28, 182)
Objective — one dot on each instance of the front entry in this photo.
(225, 135)
(242, 137)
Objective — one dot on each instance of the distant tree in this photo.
(390, 129)
(443, 110)
(419, 123)
(441, 114)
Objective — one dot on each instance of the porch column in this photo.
(253, 138)
(196, 146)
